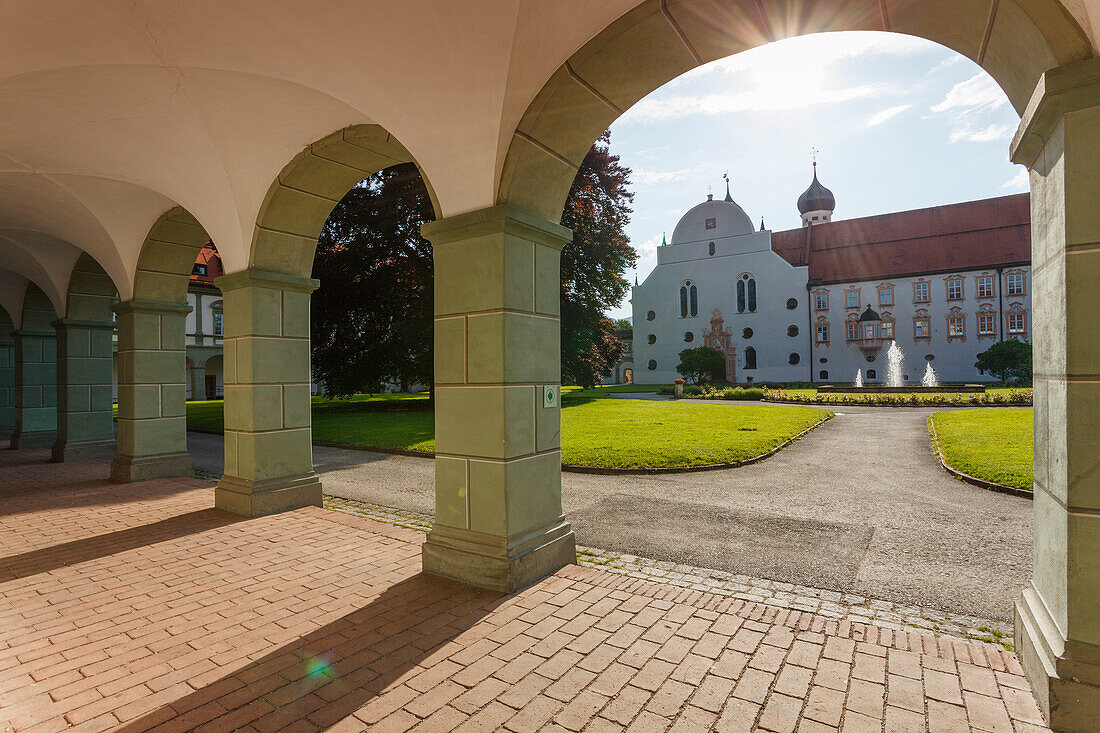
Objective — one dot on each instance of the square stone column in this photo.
(268, 439)
(152, 417)
(1058, 617)
(7, 384)
(35, 389)
(197, 376)
(498, 515)
(85, 376)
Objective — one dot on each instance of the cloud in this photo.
(648, 250)
(643, 177)
(882, 116)
(965, 132)
(977, 92)
(1019, 182)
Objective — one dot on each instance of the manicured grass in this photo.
(993, 444)
(596, 430)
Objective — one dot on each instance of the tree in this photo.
(593, 266)
(372, 314)
(701, 363)
(1006, 360)
(624, 324)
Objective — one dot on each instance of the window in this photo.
(921, 293)
(217, 324)
(823, 374)
(710, 223)
(821, 301)
(1014, 283)
(752, 295)
(792, 303)
(885, 295)
(869, 331)
(688, 337)
(746, 333)
(871, 374)
(746, 294)
(689, 300)
(793, 359)
(922, 325)
(823, 333)
(198, 269)
(987, 325)
(710, 248)
(750, 358)
(851, 298)
(985, 286)
(954, 288)
(652, 338)
(652, 364)
(853, 330)
(740, 296)
(870, 358)
(1016, 320)
(650, 316)
(792, 330)
(956, 324)
(887, 328)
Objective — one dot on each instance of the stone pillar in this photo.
(1058, 617)
(268, 440)
(85, 383)
(198, 381)
(152, 418)
(498, 516)
(35, 389)
(7, 381)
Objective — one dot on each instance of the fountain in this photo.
(929, 378)
(859, 378)
(894, 359)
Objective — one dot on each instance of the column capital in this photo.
(501, 219)
(151, 306)
(25, 332)
(265, 279)
(1060, 91)
(78, 323)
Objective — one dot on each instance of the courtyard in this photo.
(139, 607)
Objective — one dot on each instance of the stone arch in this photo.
(38, 310)
(306, 191)
(91, 292)
(167, 257)
(659, 40)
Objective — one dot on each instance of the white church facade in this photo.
(818, 303)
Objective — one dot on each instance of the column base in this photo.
(259, 498)
(145, 468)
(496, 563)
(1064, 675)
(33, 439)
(82, 450)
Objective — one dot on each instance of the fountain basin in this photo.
(953, 389)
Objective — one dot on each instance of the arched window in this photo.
(750, 358)
(752, 295)
(823, 374)
(689, 300)
(710, 248)
(740, 296)
(871, 374)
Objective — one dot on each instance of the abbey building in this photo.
(818, 303)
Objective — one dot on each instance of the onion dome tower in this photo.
(816, 204)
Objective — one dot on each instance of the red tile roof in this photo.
(207, 256)
(969, 236)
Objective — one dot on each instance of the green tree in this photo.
(1006, 360)
(372, 314)
(702, 363)
(593, 265)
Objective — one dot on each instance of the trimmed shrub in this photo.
(901, 399)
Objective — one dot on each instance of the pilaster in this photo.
(152, 417)
(268, 439)
(1057, 620)
(7, 382)
(34, 388)
(498, 517)
(85, 376)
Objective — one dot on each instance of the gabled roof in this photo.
(968, 236)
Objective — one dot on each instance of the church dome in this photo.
(816, 197)
(712, 220)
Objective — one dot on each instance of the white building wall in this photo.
(715, 277)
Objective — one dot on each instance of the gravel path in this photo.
(858, 505)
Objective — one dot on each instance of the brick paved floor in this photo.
(138, 607)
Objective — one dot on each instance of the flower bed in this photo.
(909, 399)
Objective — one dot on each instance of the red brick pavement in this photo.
(138, 607)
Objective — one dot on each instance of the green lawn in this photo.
(994, 444)
(596, 430)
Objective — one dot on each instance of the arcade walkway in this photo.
(138, 606)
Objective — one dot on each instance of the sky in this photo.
(898, 122)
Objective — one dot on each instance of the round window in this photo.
(651, 339)
(652, 364)
(823, 360)
(792, 330)
(746, 333)
(792, 303)
(650, 316)
(871, 358)
(688, 337)
(929, 357)
(793, 358)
